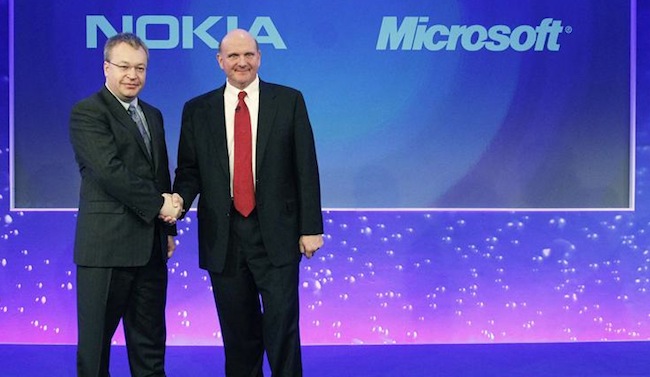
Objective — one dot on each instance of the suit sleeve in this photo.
(311, 218)
(99, 161)
(187, 181)
(164, 184)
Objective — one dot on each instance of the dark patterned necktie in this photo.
(141, 127)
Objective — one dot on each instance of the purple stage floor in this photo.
(611, 359)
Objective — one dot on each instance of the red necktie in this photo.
(244, 191)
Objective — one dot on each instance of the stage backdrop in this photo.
(484, 163)
(446, 104)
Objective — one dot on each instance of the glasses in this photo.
(127, 68)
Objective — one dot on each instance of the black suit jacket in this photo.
(121, 186)
(287, 188)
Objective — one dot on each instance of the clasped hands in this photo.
(172, 208)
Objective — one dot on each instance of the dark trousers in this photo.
(135, 295)
(258, 306)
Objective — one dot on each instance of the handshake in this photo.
(172, 208)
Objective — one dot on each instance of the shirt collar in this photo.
(251, 90)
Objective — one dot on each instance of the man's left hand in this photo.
(310, 243)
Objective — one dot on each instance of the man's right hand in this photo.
(172, 208)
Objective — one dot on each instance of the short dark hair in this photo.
(128, 38)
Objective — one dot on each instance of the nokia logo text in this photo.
(414, 33)
(181, 31)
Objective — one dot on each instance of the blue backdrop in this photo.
(447, 104)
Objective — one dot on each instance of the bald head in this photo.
(238, 34)
(239, 56)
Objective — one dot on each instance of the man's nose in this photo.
(242, 61)
(132, 73)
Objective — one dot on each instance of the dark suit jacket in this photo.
(287, 190)
(121, 186)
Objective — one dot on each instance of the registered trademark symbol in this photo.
(568, 29)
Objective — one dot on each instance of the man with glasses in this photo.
(125, 221)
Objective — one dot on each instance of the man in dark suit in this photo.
(255, 221)
(121, 243)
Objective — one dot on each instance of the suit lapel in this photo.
(156, 132)
(267, 109)
(215, 119)
(116, 108)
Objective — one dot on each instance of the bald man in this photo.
(248, 149)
